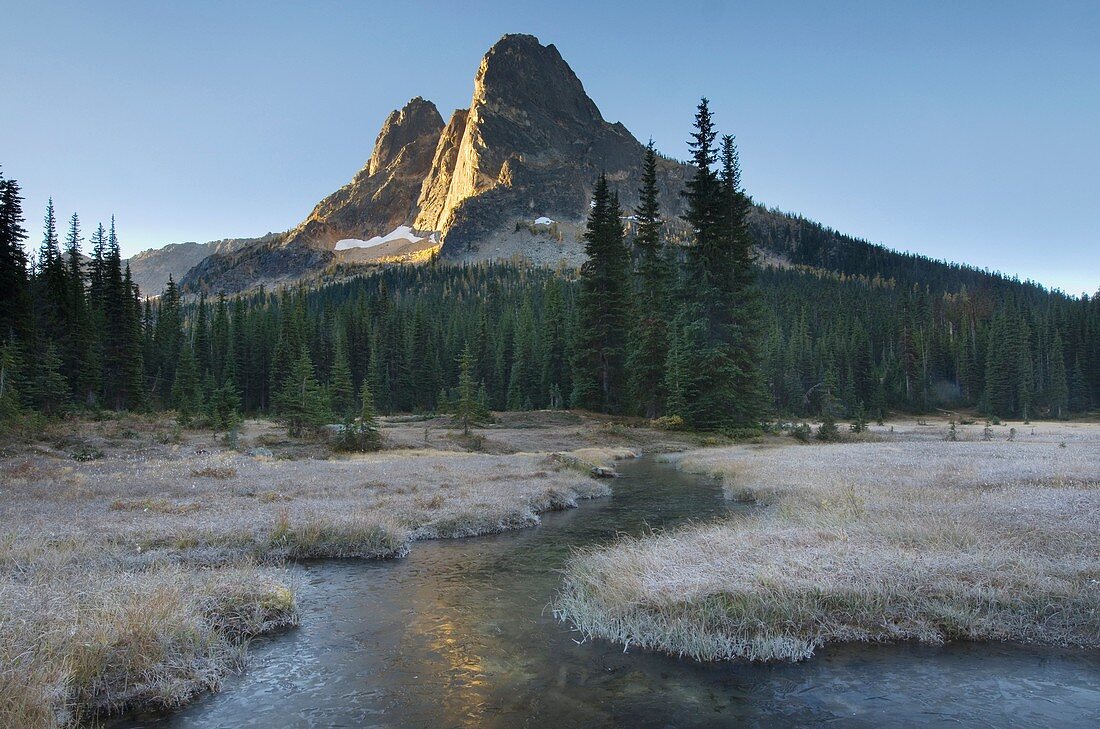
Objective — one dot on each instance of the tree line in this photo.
(698, 333)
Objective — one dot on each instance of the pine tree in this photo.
(11, 366)
(15, 316)
(747, 316)
(186, 387)
(1058, 394)
(75, 348)
(341, 390)
(648, 345)
(707, 331)
(598, 367)
(50, 389)
(364, 434)
(301, 402)
(467, 409)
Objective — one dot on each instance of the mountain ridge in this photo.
(529, 146)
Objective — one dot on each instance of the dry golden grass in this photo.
(899, 540)
(135, 579)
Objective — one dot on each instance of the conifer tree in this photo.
(75, 348)
(341, 390)
(186, 387)
(1078, 388)
(1058, 394)
(598, 364)
(15, 316)
(746, 313)
(132, 380)
(11, 366)
(301, 402)
(554, 336)
(705, 321)
(522, 391)
(223, 406)
(219, 338)
(362, 434)
(50, 390)
(467, 410)
(648, 346)
(52, 275)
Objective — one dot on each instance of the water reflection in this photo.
(459, 635)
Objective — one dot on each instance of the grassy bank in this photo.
(909, 538)
(136, 560)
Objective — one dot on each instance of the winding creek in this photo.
(459, 634)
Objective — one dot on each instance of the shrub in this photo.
(86, 453)
(827, 432)
(802, 432)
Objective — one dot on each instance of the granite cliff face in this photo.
(529, 146)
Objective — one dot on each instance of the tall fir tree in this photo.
(301, 401)
(705, 317)
(648, 344)
(598, 362)
(340, 387)
(15, 310)
(747, 317)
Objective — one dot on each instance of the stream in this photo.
(459, 634)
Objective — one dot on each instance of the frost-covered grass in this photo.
(903, 539)
(135, 579)
(76, 645)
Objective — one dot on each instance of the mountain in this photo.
(510, 176)
(527, 149)
(151, 268)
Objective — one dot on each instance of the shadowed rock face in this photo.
(531, 144)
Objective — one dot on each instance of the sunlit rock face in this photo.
(530, 146)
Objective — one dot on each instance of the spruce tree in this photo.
(53, 292)
(77, 343)
(1058, 394)
(467, 409)
(50, 389)
(362, 434)
(11, 367)
(705, 317)
(301, 402)
(648, 345)
(186, 387)
(747, 317)
(341, 390)
(15, 310)
(598, 362)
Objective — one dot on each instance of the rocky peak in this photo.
(528, 109)
(383, 195)
(530, 146)
(402, 127)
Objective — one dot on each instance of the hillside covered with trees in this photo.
(697, 332)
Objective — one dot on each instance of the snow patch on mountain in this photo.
(401, 232)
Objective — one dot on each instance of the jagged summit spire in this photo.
(401, 127)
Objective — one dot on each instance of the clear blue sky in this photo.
(961, 130)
